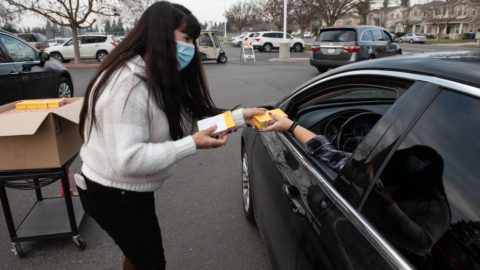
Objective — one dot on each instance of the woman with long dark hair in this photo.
(136, 123)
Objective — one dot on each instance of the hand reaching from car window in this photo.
(248, 113)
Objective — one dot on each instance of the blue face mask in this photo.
(185, 53)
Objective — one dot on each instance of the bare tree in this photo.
(362, 8)
(407, 17)
(243, 14)
(432, 15)
(302, 13)
(272, 11)
(6, 18)
(383, 13)
(72, 13)
(332, 10)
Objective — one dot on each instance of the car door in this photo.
(391, 47)
(278, 212)
(338, 237)
(10, 80)
(380, 43)
(37, 81)
(67, 49)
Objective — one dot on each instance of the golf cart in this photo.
(209, 47)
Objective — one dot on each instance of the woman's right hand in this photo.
(204, 140)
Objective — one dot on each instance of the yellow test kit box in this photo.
(264, 120)
(39, 104)
(224, 123)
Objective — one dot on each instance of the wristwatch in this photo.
(292, 127)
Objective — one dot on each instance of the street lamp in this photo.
(225, 24)
(285, 44)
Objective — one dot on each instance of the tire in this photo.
(267, 47)
(260, 49)
(411, 41)
(399, 51)
(222, 59)
(64, 88)
(246, 190)
(239, 44)
(57, 56)
(297, 47)
(101, 55)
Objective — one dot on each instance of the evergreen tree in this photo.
(121, 30)
(114, 27)
(108, 27)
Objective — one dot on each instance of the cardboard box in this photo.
(224, 122)
(39, 104)
(262, 121)
(39, 139)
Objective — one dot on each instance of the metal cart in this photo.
(48, 218)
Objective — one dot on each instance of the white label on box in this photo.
(218, 120)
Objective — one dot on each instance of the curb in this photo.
(288, 60)
(82, 66)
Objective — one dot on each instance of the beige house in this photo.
(450, 19)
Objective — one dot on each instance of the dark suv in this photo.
(36, 40)
(26, 73)
(337, 46)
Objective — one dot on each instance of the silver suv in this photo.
(337, 46)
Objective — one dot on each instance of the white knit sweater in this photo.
(130, 147)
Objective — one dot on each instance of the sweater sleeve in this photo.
(126, 134)
(238, 118)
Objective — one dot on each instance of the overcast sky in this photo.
(204, 10)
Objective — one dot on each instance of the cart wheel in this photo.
(79, 242)
(17, 250)
(222, 59)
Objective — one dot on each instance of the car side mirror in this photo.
(44, 57)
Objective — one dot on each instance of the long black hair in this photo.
(153, 38)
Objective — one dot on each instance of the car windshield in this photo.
(337, 35)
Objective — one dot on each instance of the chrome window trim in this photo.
(454, 86)
(381, 245)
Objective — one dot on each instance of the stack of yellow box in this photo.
(39, 104)
(224, 123)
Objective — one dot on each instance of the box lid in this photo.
(27, 123)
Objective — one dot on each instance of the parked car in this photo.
(237, 41)
(267, 41)
(56, 41)
(406, 198)
(247, 39)
(36, 40)
(26, 73)
(413, 38)
(337, 46)
(91, 47)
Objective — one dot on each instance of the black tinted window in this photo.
(426, 202)
(269, 35)
(93, 39)
(337, 36)
(367, 36)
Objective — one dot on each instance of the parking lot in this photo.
(200, 207)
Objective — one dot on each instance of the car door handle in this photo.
(293, 196)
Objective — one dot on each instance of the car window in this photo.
(18, 51)
(205, 40)
(27, 37)
(288, 36)
(386, 36)
(426, 200)
(93, 39)
(335, 35)
(367, 36)
(4, 56)
(257, 35)
(377, 35)
(69, 42)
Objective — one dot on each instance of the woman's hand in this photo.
(281, 123)
(248, 113)
(204, 140)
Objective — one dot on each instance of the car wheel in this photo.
(298, 47)
(411, 41)
(399, 51)
(322, 69)
(246, 190)
(222, 59)
(260, 49)
(57, 56)
(101, 55)
(267, 47)
(65, 88)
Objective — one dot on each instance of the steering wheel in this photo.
(355, 129)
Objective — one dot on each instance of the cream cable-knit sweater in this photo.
(130, 147)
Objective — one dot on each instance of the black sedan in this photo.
(407, 197)
(26, 73)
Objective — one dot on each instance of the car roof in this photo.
(461, 66)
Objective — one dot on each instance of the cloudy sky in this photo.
(205, 10)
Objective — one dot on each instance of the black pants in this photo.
(130, 219)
